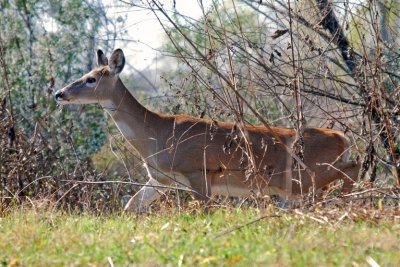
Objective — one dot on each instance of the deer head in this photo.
(97, 85)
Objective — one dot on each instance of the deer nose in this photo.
(58, 95)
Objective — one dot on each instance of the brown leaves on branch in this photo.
(279, 33)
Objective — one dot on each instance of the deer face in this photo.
(97, 85)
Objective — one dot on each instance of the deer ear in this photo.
(117, 62)
(101, 59)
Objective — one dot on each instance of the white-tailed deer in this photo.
(207, 156)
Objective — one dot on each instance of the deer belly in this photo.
(230, 184)
(235, 183)
(230, 190)
(179, 180)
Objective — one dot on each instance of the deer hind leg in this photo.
(347, 171)
(350, 171)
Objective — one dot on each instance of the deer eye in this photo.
(90, 80)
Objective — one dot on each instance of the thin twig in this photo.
(235, 228)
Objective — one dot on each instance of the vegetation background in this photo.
(306, 63)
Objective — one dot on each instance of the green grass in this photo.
(172, 238)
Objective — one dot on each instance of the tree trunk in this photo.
(330, 22)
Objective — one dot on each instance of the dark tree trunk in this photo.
(330, 22)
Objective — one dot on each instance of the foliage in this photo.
(243, 61)
(225, 38)
(44, 45)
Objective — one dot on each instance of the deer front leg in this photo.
(200, 183)
(145, 196)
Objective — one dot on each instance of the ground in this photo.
(345, 236)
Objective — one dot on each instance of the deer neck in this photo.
(137, 124)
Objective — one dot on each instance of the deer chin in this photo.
(63, 101)
(75, 101)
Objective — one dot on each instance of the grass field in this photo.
(240, 237)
